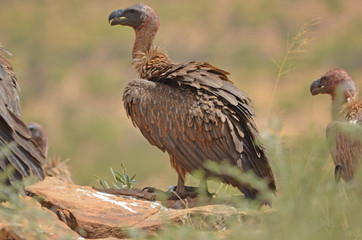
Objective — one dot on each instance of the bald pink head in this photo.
(336, 82)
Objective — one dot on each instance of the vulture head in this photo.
(39, 136)
(135, 16)
(336, 82)
(145, 22)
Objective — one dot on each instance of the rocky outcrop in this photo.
(86, 212)
(32, 221)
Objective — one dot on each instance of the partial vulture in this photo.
(17, 148)
(344, 133)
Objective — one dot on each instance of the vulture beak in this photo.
(317, 87)
(116, 17)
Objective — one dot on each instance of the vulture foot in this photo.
(151, 190)
(186, 191)
(338, 172)
(174, 194)
(189, 191)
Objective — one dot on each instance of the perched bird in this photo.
(190, 110)
(344, 133)
(54, 166)
(17, 148)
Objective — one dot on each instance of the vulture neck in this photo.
(145, 35)
(343, 94)
(147, 57)
(341, 104)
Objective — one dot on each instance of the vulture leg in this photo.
(183, 191)
(191, 191)
(338, 172)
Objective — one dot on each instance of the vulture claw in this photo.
(172, 193)
(338, 172)
(150, 190)
(188, 191)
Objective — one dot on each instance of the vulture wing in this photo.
(16, 147)
(195, 113)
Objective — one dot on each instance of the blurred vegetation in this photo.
(23, 215)
(72, 68)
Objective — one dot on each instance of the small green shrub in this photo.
(121, 179)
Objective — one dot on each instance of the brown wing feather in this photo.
(214, 81)
(17, 147)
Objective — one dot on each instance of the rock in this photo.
(32, 222)
(175, 204)
(95, 214)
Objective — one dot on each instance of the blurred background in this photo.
(72, 67)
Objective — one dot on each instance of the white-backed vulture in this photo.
(190, 110)
(344, 133)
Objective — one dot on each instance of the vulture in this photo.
(17, 148)
(190, 110)
(344, 133)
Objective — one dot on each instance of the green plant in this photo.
(121, 179)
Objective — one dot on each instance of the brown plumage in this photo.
(17, 149)
(58, 168)
(344, 133)
(190, 110)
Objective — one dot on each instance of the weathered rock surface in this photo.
(95, 214)
(33, 222)
(144, 195)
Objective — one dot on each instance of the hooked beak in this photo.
(116, 17)
(317, 87)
